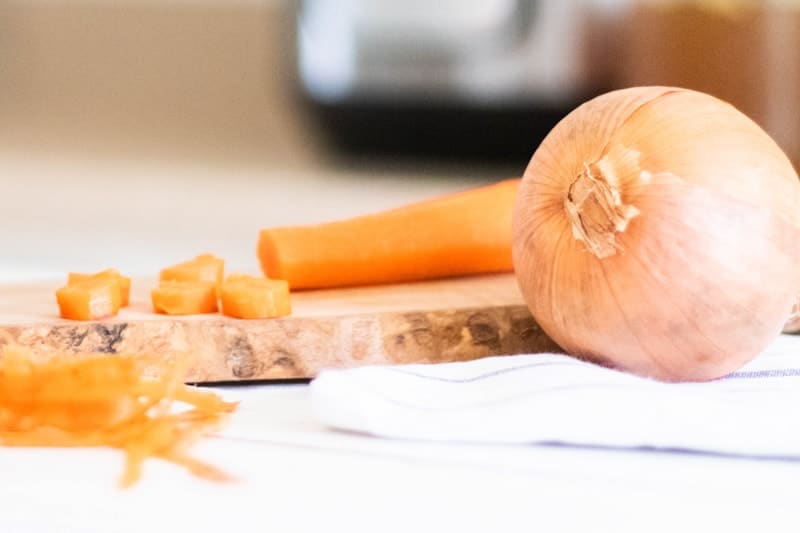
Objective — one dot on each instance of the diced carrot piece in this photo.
(244, 296)
(185, 297)
(454, 235)
(205, 267)
(124, 282)
(91, 299)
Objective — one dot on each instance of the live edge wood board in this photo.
(436, 321)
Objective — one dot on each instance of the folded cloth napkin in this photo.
(552, 398)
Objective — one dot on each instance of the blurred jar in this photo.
(744, 51)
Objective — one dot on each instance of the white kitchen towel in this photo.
(551, 398)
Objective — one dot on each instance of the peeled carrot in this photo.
(205, 267)
(458, 234)
(124, 282)
(245, 296)
(91, 299)
(185, 297)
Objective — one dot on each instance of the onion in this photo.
(657, 230)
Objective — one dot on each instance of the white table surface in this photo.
(294, 474)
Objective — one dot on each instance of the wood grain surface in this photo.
(436, 321)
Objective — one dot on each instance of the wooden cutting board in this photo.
(435, 321)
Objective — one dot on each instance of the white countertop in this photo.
(294, 474)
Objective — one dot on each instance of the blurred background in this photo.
(152, 129)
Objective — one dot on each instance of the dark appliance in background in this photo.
(476, 79)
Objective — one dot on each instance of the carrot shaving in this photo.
(79, 400)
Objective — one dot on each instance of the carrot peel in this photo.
(77, 400)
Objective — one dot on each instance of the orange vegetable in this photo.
(69, 400)
(91, 299)
(205, 267)
(185, 297)
(245, 296)
(458, 234)
(124, 282)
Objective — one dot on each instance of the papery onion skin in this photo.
(657, 230)
(793, 324)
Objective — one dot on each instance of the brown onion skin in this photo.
(703, 277)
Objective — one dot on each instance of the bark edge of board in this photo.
(299, 347)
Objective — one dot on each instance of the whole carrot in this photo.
(458, 234)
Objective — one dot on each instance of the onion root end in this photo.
(596, 210)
